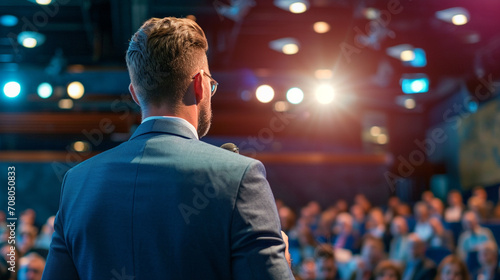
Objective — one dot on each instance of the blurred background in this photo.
(336, 97)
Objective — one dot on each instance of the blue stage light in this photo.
(415, 85)
(12, 89)
(44, 90)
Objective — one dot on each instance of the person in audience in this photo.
(344, 235)
(43, 240)
(488, 261)
(440, 236)
(358, 221)
(392, 206)
(403, 210)
(31, 267)
(387, 270)
(436, 208)
(427, 197)
(452, 268)
(375, 224)
(398, 247)
(306, 240)
(480, 202)
(456, 207)
(472, 236)
(27, 237)
(372, 253)
(418, 267)
(361, 200)
(307, 270)
(287, 219)
(326, 222)
(342, 206)
(422, 215)
(326, 269)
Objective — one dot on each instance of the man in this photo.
(488, 261)
(472, 236)
(362, 266)
(165, 205)
(31, 267)
(399, 243)
(418, 266)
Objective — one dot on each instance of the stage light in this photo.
(295, 95)
(323, 74)
(407, 55)
(265, 93)
(44, 90)
(30, 39)
(419, 59)
(81, 146)
(287, 45)
(281, 106)
(414, 83)
(459, 19)
(325, 94)
(456, 15)
(43, 2)
(375, 130)
(65, 104)
(290, 49)
(76, 90)
(12, 89)
(410, 103)
(382, 139)
(297, 7)
(321, 27)
(472, 106)
(371, 13)
(8, 20)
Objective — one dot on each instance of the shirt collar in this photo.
(176, 119)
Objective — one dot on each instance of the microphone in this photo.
(231, 147)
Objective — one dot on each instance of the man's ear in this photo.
(134, 96)
(198, 87)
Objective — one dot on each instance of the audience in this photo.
(325, 244)
(418, 267)
(472, 236)
(452, 268)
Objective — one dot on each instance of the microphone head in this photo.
(231, 147)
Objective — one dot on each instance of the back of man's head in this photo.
(162, 56)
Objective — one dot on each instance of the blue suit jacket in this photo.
(165, 205)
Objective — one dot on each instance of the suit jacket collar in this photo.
(163, 126)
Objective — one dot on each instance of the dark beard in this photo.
(204, 121)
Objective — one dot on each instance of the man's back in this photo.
(165, 205)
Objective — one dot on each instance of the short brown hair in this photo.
(161, 56)
(387, 265)
(452, 259)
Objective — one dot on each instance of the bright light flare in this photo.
(295, 95)
(264, 93)
(12, 89)
(297, 7)
(325, 94)
(76, 90)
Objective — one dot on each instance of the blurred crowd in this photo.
(428, 240)
(32, 243)
(437, 240)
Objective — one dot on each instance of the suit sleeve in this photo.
(257, 248)
(59, 263)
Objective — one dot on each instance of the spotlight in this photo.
(8, 20)
(76, 90)
(375, 130)
(12, 89)
(43, 2)
(44, 90)
(411, 84)
(410, 104)
(265, 93)
(382, 139)
(285, 45)
(321, 27)
(456, 15)
(407, 55)
(81, 146)
(323, 74)
(281, 106)
(65, 104)
(30, 39)
(294, 6)
(325, 94)
(297, 8)
(295, 95)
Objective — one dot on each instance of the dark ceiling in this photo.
(87, 39)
